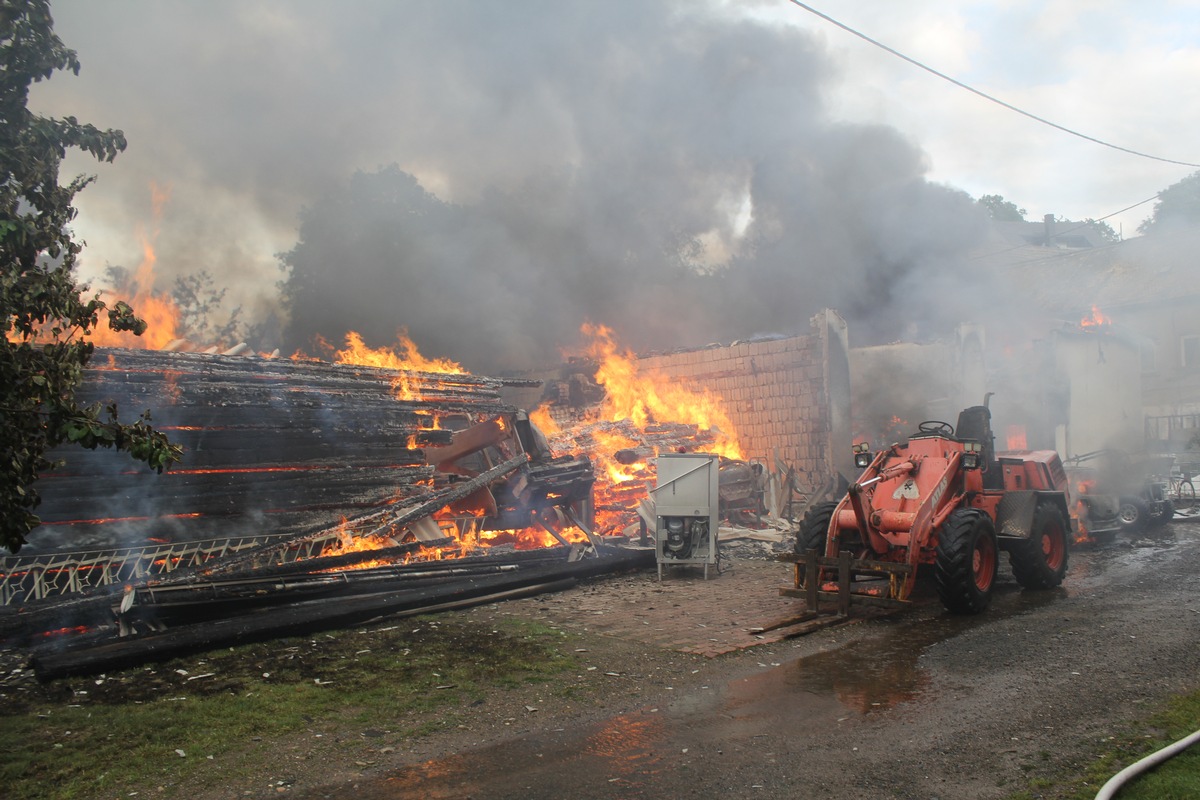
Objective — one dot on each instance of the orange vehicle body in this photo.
(948, 503)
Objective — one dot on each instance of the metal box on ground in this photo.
(686, 501)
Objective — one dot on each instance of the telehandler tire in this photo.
(1040, 562)
(814, 531)
(814, 528)
(967, 558)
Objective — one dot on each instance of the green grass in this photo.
(1176, 779)
(107, 736)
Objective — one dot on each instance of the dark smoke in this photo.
(554, 162)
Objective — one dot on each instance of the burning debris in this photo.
(605, 404)
(449, 495)
(359, 487)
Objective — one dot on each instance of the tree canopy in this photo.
(1178, 206)
(1002, 210)
(44, 317)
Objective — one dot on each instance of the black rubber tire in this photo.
(967, 559)
(814, 528)
(1165, 513)
(1040, 562)
(814, 532)
(1133, 514)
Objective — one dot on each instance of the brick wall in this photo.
(776, 392)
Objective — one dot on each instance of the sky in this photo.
(717, 116)
(1116, 71)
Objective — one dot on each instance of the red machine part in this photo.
(950, 504)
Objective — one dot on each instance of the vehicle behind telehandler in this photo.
(944, 503)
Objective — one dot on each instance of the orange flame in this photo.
(541, 418)
(607, 445)
(1097, 319)
(403, 356)
(641, 412)
(1015, 438)
(653, 397)
(157, 309)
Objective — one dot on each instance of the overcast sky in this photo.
(1118, 71)
(245, 112)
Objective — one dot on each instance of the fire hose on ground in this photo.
(1110, 789)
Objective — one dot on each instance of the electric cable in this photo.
(984, 95)
(1080, 226)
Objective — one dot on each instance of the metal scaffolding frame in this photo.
(36, 577)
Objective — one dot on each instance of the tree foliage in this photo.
(1178, 206)
(45, 318)
(1002, 210)
(198, 302)
(1105, 231)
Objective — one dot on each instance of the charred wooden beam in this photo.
(95, 655)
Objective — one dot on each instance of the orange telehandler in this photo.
(943, 502)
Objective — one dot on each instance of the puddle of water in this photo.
(625, 752)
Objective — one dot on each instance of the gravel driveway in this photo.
(916, 705)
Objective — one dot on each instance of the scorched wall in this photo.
(787, 398)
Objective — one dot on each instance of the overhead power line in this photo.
(984, 95)
(1080, 226)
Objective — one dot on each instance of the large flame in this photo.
(645, 398)
(540, 417)
(641, 415)
(403, 356)
(156, 308)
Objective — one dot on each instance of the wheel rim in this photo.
(1129, 514)
(1054, 546)
(983, 563)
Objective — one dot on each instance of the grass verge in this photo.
(1176, 779)
(217, 719)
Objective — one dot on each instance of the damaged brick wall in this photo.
(785, 396)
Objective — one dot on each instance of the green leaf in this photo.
(42, 352)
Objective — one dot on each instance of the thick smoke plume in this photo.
(489, 176)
